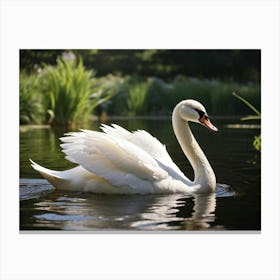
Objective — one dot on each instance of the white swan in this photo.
(117, 161)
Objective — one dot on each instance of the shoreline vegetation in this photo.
(67, 94)
(74, 88)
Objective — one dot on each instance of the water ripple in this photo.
(33, 188)
(224, 190)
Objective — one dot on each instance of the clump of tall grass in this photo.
(31, 110)
(114, 86)
(137, 98)
(71, 93)
(216, 95)
(130, 95)
(153, 96)
(67, 94)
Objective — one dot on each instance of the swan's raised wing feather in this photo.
(142, 139)
(148, 143)
(111, 157)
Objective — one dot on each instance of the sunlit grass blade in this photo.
(257, 139)
(248, 104)
(251, 118)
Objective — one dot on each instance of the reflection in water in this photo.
(161, 213)
(81, 211)
(166, 213)
(203, 212)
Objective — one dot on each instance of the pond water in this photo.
(236, 205)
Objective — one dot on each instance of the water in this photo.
(236, 204)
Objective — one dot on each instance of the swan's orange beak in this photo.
(205, 121)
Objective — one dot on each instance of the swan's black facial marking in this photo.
(204, 120)
(201, 115)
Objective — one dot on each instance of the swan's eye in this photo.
(201, 113)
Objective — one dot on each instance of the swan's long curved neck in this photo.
(203, 172)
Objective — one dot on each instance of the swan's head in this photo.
(192, 110)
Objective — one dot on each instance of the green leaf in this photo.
(247, 103)
(251, 118)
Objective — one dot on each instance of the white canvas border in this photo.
(153, 24)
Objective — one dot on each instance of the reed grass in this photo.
(67, 94)
(71, 94)
(137, 98)
(154, 96)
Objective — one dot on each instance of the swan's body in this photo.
(117, 161)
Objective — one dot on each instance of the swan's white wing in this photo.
(113, 158)
(150, 145)
(142, 139)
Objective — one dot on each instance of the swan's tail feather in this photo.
(74, 179)
(51, 175)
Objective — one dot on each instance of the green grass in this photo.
(71, 93)
(68, 91)
(61, 95)
(137, 98)
(67, 94)
(154, 96)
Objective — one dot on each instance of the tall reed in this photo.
(71, 94)
(137, 98)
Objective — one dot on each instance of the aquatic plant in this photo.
(154, 96)
(137, 98)
(71, 94)
(115, 86)
(257, 116)
(130, 95)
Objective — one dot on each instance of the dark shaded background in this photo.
(229, 65)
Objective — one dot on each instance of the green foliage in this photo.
(137, 98)
(31, 110)
(31, 60)
(70, 93)
(257, 142)
(257, 116)
(228, 65)
(257, 112)
(153, 96)
(130, 95)
(67, 93)
(116, 87)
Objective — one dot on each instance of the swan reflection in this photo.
(203, 212)
(170, 213)
(80, 211)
